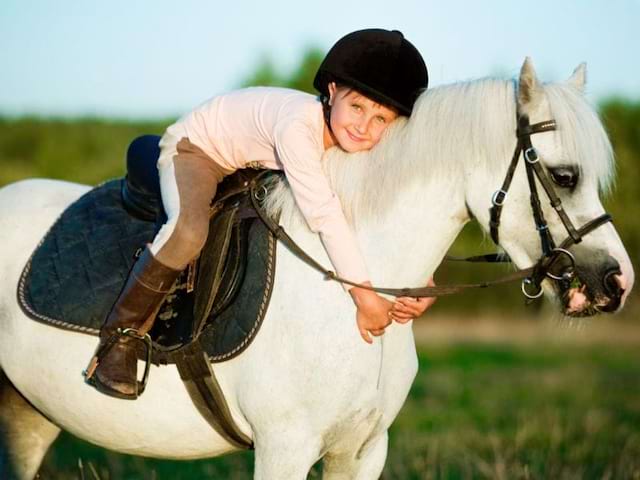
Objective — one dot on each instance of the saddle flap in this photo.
(211, 264)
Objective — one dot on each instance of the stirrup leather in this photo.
(108, 345)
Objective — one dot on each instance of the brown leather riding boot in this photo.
(113, 370)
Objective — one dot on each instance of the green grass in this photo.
(501, 411)
(491, 410)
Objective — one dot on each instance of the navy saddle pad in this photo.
(76, 273)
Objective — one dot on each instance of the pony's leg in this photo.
(25, 435)
(285, 455)
(363, 464)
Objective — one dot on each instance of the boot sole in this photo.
(111, 392)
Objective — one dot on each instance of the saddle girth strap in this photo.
(207, 396)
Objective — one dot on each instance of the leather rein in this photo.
(531, 277)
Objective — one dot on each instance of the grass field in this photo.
(494, 398)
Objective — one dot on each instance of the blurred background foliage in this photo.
(91, 150)
(300, 78)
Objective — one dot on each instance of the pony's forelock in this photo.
(582, 135)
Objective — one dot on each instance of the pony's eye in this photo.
(565, 177)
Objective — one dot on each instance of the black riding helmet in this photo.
(379, 63)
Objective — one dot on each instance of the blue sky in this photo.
(144, 58)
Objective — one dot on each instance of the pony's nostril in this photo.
(622, 281)
(612, 284)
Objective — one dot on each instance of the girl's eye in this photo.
(565, 177)
(356, 107)
(381, 119)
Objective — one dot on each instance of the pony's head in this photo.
(576, 157)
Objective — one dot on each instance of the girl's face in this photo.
(357, 122)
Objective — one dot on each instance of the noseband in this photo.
(550, 251)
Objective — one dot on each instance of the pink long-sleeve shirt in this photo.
(280, 129)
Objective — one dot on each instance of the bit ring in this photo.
(528, 281)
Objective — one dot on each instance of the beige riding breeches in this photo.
(188, 182)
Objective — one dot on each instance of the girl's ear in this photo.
(332, 91)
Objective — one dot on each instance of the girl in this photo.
(366, 81)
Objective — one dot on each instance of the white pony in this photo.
(308, 387)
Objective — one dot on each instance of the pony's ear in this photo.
(578, 78)
(529, 85)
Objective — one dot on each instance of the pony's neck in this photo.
(407, 197)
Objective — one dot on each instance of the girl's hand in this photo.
(373, 312)
(409, 308)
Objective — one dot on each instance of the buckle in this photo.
(261, 193)
(498, 198)
(531, 155)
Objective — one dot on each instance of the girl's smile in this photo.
(354, 138)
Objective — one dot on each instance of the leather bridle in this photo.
(550, 251)
(531, 277)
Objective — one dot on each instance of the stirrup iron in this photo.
(104, 349)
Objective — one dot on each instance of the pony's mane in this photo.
(451, 125)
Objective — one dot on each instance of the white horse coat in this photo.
(308, 387)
